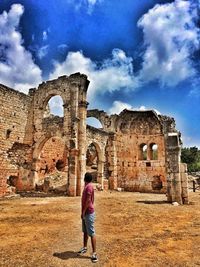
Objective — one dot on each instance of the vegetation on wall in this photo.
(191, 156)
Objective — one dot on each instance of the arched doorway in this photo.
(51, 166)
(95, 163)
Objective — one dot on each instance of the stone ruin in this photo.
(135, 150)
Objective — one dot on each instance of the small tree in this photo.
(191, 156)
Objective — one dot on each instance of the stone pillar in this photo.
(72, 122)
(184, 183)
(66, 122)
(112, 158)
(174, 192)
(149, 152)
(74, 114)
(70, 154)
(100, 176)
(82, 146)
(72, 181)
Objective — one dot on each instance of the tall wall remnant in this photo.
(135, 150)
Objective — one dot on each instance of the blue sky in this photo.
(141, 54)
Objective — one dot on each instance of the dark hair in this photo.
(88, 177)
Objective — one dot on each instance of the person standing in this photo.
(88, 217)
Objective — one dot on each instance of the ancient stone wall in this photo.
(135, 150)
(106, 120)
(138, 169)
(53, 158)
(71, 128)
(141, 154)
(138, 174)
(15, 108)
(26, 128)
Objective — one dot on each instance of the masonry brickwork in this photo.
(136, 150)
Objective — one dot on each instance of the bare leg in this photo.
(85, 239)
(93, 241)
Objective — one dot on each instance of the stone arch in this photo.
(40, 143)
(94, 122)
(44, 123)
(100, 161)
(42, 101)
(100, 115)
(54, 107)
(50, 159)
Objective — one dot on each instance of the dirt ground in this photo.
(133, 229)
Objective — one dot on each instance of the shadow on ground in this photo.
(153, 201)
(69, 255)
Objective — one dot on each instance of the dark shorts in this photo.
(88, 224)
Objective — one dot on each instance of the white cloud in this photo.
(88, 4)
(110, 75)
(44, 35)
(91, 4)
(62, 48)
(119, 106)
(17, 68)
(170, 36)
(43, 51)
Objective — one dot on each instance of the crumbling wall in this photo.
(108, 122)
(135, 171)
(140, 155)
(26, 126)
(15, 108)
(52, 158)
(71, 128)
(137, 150)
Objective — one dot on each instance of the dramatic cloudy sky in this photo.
(141, 54)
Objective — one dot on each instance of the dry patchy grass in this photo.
(133, 229)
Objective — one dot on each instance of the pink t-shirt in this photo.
(88, 190)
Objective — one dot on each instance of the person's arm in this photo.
(86, 205)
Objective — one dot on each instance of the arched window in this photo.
(153, 151)
(54, 107)
(91, 121)
(143, 152)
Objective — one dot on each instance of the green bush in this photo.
(191, 156)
